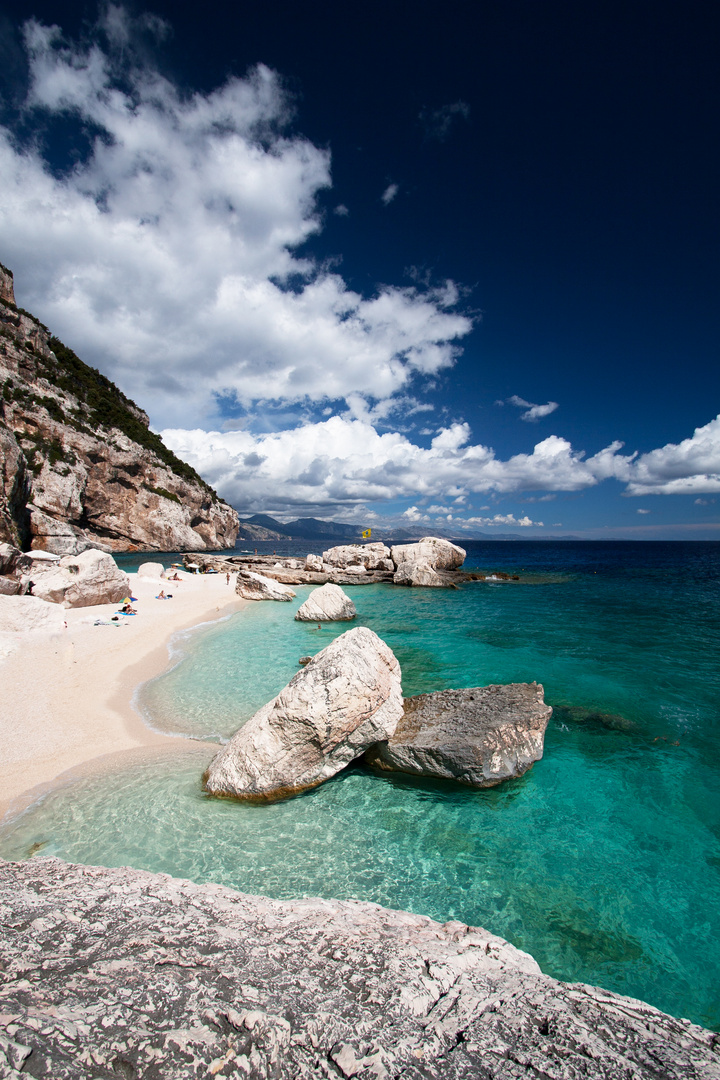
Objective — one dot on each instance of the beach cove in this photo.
(602, 862)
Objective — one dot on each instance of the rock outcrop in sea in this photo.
(346, 699)
(79, 466)
(327, 604)
(122, 973)
(479, 736)
(251, 586)
(430, 562)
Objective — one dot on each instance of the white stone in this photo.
(9, 586)
(151, 570)
(328, 714)
(440, 554)
(19, 613)
(314, 562)
(92, 577)
(366, 556)
(252, 586)
(327, 604)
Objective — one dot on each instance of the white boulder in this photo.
(252, 586)
(9, 556)
(9, 586)
(327, 604)
(92, 577)
(417, 573)
(345, 700)
(151, 570)
(366, 556)
(314, 563)
(19, 613)
(440, 554)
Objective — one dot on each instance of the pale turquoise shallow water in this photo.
(603, 861)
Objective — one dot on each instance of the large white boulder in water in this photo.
(252, 586)
(479, 736)
(418, 564)
(345, 700)
(363, 556)
(327, 604)
(92, 577)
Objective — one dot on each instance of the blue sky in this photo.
(448, 267)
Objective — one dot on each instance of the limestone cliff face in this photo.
(79, 466)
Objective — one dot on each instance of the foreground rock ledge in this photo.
(121, 973)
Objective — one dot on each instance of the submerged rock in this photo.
(144, 975)
(347, 698)
(253, 586)
(479, 736)
(92, 577)
(327, 604)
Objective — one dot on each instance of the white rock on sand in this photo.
(327, 604)
(151, 570)
(93, 577)
(252, 586)
(345, 700)
(20, 613)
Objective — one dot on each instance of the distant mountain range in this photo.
(263, 527)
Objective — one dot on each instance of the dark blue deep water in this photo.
(603, 861)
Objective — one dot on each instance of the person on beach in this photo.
(227, 578)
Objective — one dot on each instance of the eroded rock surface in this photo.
(327, 604)
(251, 586)
(439, 554)
(479, 736)
(92, 577)
(374, 556)
(79, 466)
(347, 698)
(121, 973)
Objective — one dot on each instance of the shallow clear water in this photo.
(603, 861)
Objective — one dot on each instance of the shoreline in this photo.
(68, 694)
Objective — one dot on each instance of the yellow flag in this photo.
(366, 534)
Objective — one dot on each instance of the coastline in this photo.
(68, 694)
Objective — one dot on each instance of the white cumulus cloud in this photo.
(168, 255)
(691, 467)
(534, 412)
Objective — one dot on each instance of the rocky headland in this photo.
(122, 973)
(79, 466)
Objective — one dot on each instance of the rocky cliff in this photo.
(79, 466)
(120, 973)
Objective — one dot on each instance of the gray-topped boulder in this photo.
(327, 604)
(252, 586)
(345, 700)
(479, 736)
(92, 577)
(122, 973)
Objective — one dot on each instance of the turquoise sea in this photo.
(603, 861)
